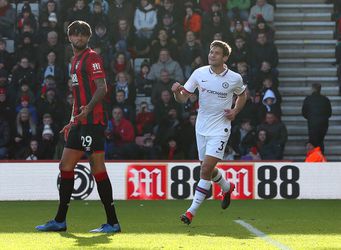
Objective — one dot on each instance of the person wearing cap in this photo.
(25, 103)
(27, 17)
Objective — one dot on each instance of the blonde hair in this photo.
(19, 125)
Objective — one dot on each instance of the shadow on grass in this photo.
(88, 241)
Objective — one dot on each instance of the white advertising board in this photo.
(174, 180)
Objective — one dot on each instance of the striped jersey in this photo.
(85, 68)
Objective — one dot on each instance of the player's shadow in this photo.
(88, 241)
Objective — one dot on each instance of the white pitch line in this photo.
(262, 235)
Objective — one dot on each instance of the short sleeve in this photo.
(191, 83)
(95, 67)
(239, 87)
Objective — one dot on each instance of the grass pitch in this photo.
(296, 224)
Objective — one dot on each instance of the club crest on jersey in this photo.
(225, 85)
(74, 79)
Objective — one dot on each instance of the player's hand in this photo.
(230, 114)
(83, 114)
(177, 87)
(66, 130)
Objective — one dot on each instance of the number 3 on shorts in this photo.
(221, 146)
(86, 141)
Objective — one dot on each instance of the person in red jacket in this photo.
(119, 135)
(192, 20)
(314, 154)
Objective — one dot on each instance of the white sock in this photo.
(222, 182)
(201, 191)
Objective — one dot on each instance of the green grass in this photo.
(298, 224)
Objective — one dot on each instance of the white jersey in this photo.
(215, 94)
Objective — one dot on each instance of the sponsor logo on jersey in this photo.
(146, 182)
(241, 176)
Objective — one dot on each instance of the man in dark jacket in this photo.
(317, 110)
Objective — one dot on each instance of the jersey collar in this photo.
(222, 73)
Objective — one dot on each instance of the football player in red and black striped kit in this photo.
(85, 132)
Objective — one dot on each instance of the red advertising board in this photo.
(241, 176)
(146, 182)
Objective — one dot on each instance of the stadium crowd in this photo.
(146, 46)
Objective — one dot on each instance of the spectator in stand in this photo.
(265, 72)
(47, 9)
(192, 20)
(119, 134)
(173, 29)
(243, 70)
(189, 52)
(262, 27)
(261, 8)
(5, 136)
(24, 131)
(216, 7)
(317, 110)
(263, 51)
(3, 79)
(168, 7)
(101, 37)
(240, 53)
(250, 110)
(277, 131)
(27, 49)
(98, 16)
(191, 106)
(270, 104)
(79, 11)
(172, 151)
(31, 152)
(268, 84)
(142, 84)
(145, 119)
(6, 109)
(7, 19)
(25, 103)
(50, 104)
(267, 148)
(23, 72)
(238, 9)
(163, 41)
(123, 82)
(51, 69)
(47, 143)
(243, 137)
(239, 30)
(205, 5)
(121, 64)
(186, 137)
(51, 44)
(166, 62)
(314, 153)
(215, 25)
(103, 4)
(168, 126)
(164, 83)
(162, 107)
(123, 33)
(128, 110)
(149, 150)
(145, 20)
(6, 60)
(120, 9)
(26, 17)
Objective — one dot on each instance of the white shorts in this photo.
(211, 145)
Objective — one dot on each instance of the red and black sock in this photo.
(105, 193)
(65, 192)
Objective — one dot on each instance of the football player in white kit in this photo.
(216, 84)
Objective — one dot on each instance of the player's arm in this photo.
(240, 103)
(179, 92)
(101, 90)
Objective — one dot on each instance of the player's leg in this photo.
(104, 187)
(226, 187)
(70, 157)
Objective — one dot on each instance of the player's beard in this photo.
(79, 47)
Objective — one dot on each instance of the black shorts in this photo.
(89, 138)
